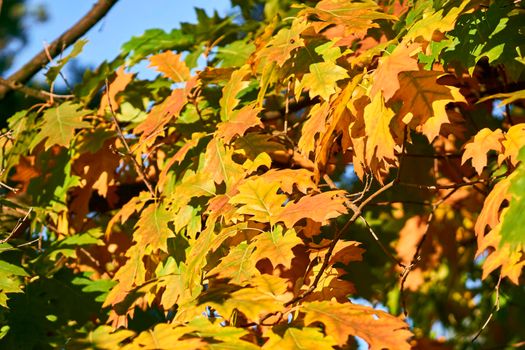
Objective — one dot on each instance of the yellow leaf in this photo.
(379, 142)
(276, 246)
(306, 338)
(259, 198)
(238, 265)
(514, 141)
(229, 99)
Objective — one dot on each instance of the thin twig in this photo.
(376, 238)
(17, 226)
(495, 308)
(40, 60)
(138, 167)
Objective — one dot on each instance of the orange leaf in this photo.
(171, 65)
(379, 141)
(386, 74)
(238, 123)
(484, 141)
(315, 124)
(161, 114)
(424, 101)
(320, 208)
(378, 328)
(122, 79)
(238, 265)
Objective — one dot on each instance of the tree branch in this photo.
(24, 74)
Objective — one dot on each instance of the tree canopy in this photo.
(298, 175)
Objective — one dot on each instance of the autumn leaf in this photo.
(59, 125)
(307, 338)
(390, 65)
(424, 101)
(103, 338)
(484, 141)
(267, 295)
(378, 328)
(152, 228)
(238, 265)
(290, 178)
(356, 17)
(229, 99)
(513, 142)
(320, 207)
(219, 163)
(276, 246)
(161, 114)
(132, 273)
(315, 124)
(379, 141)
(281, 45)
(239, 122)
(259, 199)
(122, 79)
(165, 336)
(442, 20)
(322, 78)
(171, 65)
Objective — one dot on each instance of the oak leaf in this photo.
(322, 78)
(276, 246)
(356, 17)
(424, 101)
(238, 265)
(484, 141)
(378, 328)
(307, 338)
(259, 199)
(171, 65)
(219, 164)
(59, 125)
(379, 141)
(281, 45)
(152, 228)
(229, 99)
(320, 207)
(315, 124)
(389, 66)
(161, 114)
(513, 142)
(239, 121)
(288, 178)
(122, 79)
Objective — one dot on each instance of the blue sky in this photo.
(127, 18)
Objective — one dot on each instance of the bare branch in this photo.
(40, 60)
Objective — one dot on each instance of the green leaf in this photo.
(59, 125)
(235, 54)
(53, 72)
(322, 79)
(155, 40)
(513, 220)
